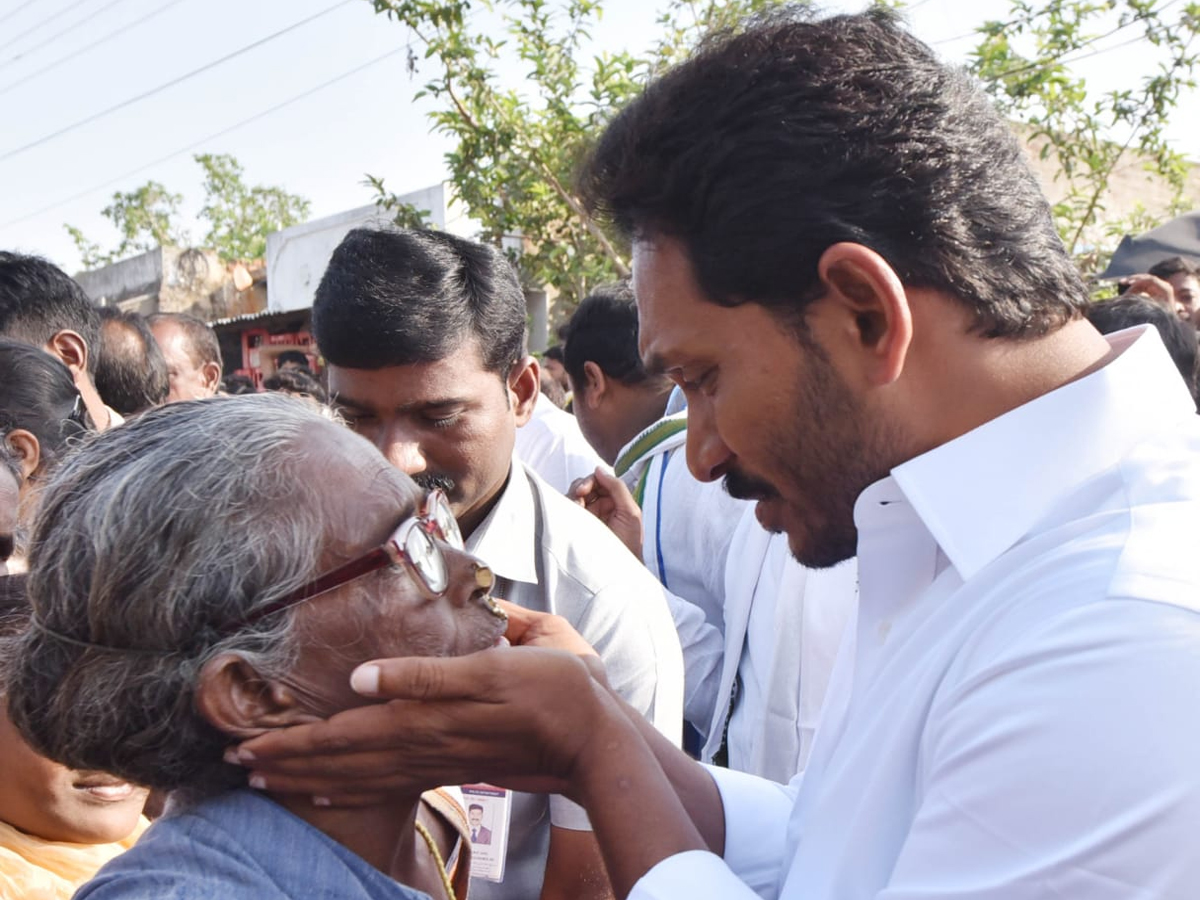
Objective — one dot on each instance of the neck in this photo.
(991, 377)
(384, 835)
(471, 519)
(644, 406)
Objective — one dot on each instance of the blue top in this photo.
(240, 845)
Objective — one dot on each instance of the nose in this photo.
(402, 450)
(707, 455)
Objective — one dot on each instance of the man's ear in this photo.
(525, 382)
(27, 449)
(210, 374)
(595, 384)
(71, 348)
(236, 700)
(871, 309)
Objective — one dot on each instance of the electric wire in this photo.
(28, 3)
(54, 37)
(75, 54)
(207, 138)
(169, 84)
(46, 21)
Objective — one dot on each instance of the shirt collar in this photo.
(505, 539)
(982, 492)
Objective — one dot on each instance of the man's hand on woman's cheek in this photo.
(513, 717)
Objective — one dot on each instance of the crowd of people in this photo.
(837, 555)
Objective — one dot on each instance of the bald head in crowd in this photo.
(192, 353)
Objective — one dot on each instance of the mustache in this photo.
(428, 481)
(741, 486)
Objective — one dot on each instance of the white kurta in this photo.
(1016, 715)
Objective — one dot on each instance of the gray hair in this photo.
(152, 543)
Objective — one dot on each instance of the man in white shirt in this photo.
(423, 333)
(552, 445)
(842, 256)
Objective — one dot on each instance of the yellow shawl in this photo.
(35, 869)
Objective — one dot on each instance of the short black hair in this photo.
(293, 381)
(203, 346)
(1174, 265)
(1178, 336)
(392, 297)
(38, 395)
(555, 351)
(604, 330)
(38, 300)
(769, 146)
(131, 374)
(292, 356)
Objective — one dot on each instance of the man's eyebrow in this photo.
(655, 364)
(443, 403)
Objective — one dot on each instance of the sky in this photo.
(312, 95)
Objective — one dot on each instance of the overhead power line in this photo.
(75, 54)
(54, 37)
(207, 138)
(169, 84)
(46, 21)
(9, 15)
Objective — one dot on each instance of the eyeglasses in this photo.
(411, 543)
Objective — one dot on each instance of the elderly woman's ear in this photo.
(238, 701)
(26, 448)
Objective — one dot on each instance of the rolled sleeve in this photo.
(695, 875)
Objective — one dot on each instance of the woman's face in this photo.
(55, 803)
(387, 613)
(41, 797)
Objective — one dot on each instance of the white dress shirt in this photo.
(783, 626)
(552, 445)
(552, 556)
(1017, 713)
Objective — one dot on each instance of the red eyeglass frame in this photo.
(390, 552)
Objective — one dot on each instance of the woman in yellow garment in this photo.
(58, 826)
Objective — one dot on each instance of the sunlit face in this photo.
(1187, 295)
(387, 613)
(187, 379)
(55, 803)
(449, 424)
(766, 410)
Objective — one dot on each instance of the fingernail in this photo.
(365, 680)
(245, 755)
(258, 782)
(231, 756)
(321, 801)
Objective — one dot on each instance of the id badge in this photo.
(488, 812)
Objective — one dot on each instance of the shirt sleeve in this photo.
(757, 812)
(756, 819)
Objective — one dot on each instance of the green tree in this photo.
(516, 152)
(239, 216)
(144, 218)
(1026, 61)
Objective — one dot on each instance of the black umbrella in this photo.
(1179, 237)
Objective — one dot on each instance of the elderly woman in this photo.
(231, 562)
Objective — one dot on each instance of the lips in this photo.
(105, 788)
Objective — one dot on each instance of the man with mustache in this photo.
(423, 333)
(842, 256)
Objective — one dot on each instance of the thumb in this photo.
(420, 677)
